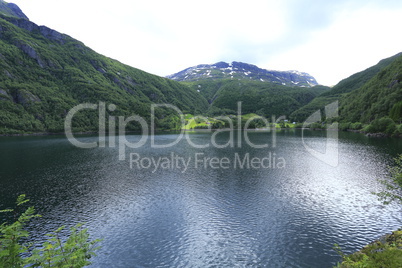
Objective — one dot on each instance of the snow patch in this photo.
(311, 84)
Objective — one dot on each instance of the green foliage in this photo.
(377, 98)
(393, 184)
(398, 130)
(316, 104)
(382, 125)
(42, 78)
(172, 122)
(249, 121)
(12, 234)
(317, 125)
(380, 254)
(345, 126)
(387, 252)
(356, 126)
(362, 97)
(396, 112)
(75, 252)
(265, 99)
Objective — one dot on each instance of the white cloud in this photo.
(329, 39)
(355, 41)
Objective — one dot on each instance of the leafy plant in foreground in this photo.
(393, 184)
(380, 254)
(11, 235)
(75, 252)
(387, 252)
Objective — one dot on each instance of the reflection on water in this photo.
(286, 216)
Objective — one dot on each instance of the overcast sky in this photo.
(329, 39)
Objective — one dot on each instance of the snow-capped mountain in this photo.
(240, 70)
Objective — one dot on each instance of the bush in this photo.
(344, 126)
(316, 126)
(367, 128)
(356, 126)
(388, 251)
(383, 125)
(299, 125)
(396, 112)
(380, 254)
(393, 184)
(398, 130)
(74, 252)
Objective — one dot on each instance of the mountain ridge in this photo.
(44, 74)
(240, 71)
(11, 9)
(343, 88)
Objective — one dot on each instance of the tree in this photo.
(393, 184)
(75, 252)
(387, 252)
(396, 112)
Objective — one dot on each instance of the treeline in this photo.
(384, 125)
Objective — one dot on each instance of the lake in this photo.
(182, 206)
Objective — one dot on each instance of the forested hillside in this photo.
(266, 99)
(379, 97)
(43, 74)
(347, 85)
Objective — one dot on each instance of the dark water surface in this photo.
(209, 214)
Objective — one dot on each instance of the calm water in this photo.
(208, 214)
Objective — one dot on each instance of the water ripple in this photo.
(287, 217)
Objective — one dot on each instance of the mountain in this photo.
(262, 98)
(43, 74)
(10, 9)
(341, 90)
(243, 71)
(377, 97)
(267, 93)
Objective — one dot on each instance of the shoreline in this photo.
(37, 134)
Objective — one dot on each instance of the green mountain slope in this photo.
(376, 98)
(263, 98)
(347, 85)
(43, 74)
